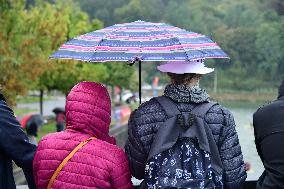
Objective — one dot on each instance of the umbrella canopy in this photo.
(58, 110)
(140, 41)
(144, 41)
(25, 119)
(32, 119)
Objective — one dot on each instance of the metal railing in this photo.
(248, 185)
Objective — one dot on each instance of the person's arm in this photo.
(120, 174)
(256, 140)
(134, 150)
(231, 155)
(14, 143)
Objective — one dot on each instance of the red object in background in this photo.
(125, 111)
(25, 119)
(117, 90)
(247, 166)
(155, 81)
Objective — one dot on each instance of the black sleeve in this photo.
(14, 143)
(231, 156)
(135, 151)
(256, 139)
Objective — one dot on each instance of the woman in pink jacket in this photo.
(96, 163)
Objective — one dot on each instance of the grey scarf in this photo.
(184, 93)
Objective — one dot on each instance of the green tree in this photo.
(146, 10)
(18, 50)
(102, 10)
(270, 50)
(63, 21)
(120, 74)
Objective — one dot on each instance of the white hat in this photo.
(181, 67)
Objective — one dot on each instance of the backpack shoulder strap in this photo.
(168, 105)
(202, 109)
(168, 133)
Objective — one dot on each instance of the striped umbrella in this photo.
(140, 41)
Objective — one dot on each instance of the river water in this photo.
(243, 119)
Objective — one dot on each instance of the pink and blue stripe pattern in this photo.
(143, 40)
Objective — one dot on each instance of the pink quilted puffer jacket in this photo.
(99, 164)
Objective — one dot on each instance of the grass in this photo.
(46, 129)
(32, 99)
(23, 111)
(134, 106)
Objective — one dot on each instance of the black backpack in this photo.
(184, 153)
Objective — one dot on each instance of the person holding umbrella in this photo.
(140, 41)
(185, 95)
(31, 122)
(14, 145)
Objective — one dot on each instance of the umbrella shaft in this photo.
(140, 86)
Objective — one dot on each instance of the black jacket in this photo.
(14, 146)
(146, 120)
(268, 123)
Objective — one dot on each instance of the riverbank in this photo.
(243, 99)
(244, 96)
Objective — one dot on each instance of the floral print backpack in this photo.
(184, 153)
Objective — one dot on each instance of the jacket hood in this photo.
(281, 88)
(88, 110)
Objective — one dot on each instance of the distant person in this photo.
(14, 145)
(60, 121)
(170, 136)
(268, 123)
(32, 133)
(83, 155)
(32, 126)
(155, 83)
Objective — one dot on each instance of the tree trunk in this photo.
(215, 81)
(112, 93)
(120, 96)
(41, 101)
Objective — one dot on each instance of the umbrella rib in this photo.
(95, 51)
(105, 37)
(176, 38)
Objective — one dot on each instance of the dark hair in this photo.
(2, 97)
(32, 129)
(281, 88)
(182, 78)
